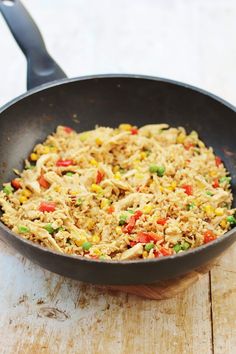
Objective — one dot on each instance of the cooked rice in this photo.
(125, 193)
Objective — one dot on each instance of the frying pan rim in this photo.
(112, 76)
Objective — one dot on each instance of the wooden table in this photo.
(40, 312)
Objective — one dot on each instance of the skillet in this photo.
(106, 100)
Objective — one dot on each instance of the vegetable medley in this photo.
(120, 194)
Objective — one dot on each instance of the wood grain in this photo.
(223, 294)
(51, 314)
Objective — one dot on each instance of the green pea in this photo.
(209, 193)
(190, 206)
(69, 174)
(123, 219)
(8, 189)
(225, 179)
(130, 211)
(86, 246)
(149, 246)
(102, 257)
(49, 228)
(78, 202)
(153, 168)
(231, 219)
(177, 248)
(161, 171)
(23, 229)
(185, 246)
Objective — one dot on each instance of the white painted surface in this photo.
(191, 41)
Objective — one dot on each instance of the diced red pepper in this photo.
(16, 183)
(163, 252)
(215, 183)
(99, 177)
(146, 237)
(68, 129)
(188, 189)
(47, 206)
(111, 209)
(209, 236)
(137, 214)
(161, 221)
(134, 131)
(218, 161)
(93, 256)
(131, 223)
(130, 226)
(43, 183)
(188, 146)
(64, 163)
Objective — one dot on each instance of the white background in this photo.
(188, 40)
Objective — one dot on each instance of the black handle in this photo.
(41, 68)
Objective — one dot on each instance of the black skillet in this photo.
(106, 100)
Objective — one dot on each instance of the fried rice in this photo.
(120, 194)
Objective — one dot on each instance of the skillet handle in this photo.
(41, 68)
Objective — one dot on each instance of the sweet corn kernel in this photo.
(33, 156)
(213, 173)
(209, 210)
(180, 138)
(117, 175)
(98, 141)
(223, 224)
(79, 240)
(143, 155)
(125, 127)
(95, 188)
(172, 187)
(93, 162)
(74, 192)
(83, 137)
(22, 199)
(118, 230)
(57, 189)
(201, 144)
(145, 254)
(90, 224)
(116, 169)
(45, 150)
(147, 209)
(200, 184)
(26, 192)
(104, 203)
(53, 149)
(219, 211)
(97, 252)
(95, 239)
(161, 188)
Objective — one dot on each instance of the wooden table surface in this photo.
(40, 312)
